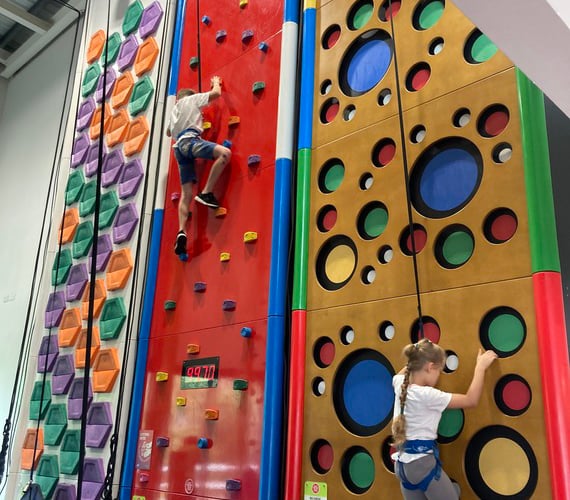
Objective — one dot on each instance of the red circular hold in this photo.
(420, 240)
(503, 227)
(329, 110)
(331, 37)
(386, 152)
(328, 219)
(516, 395)
(432, 331)
(420, 79)
(326, 353)
(495, 123)
(325, 456)
(392, 12)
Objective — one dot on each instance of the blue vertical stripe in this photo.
(307, 79)
(177, 47)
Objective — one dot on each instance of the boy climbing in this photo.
(185, 126)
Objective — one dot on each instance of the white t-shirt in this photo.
(423, 409)
(187, 113)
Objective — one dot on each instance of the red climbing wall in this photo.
(234, 439)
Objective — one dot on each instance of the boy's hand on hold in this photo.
(485, 358)
(216, 80)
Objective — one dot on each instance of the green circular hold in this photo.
(451, 423)
(362, 15)
(334, 177)
(375, 222)
(483, 49)
(431, 13)
(170, 305)
(361, 470)
(506, 332)
(458, 248)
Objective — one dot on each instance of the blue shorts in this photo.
(188, 148)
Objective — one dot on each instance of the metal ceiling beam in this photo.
(23, 17)
(4, 56)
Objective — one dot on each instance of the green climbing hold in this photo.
(170, 305)
(132, 17)
(39, 407)
(114, 45)
(55, 424)
(82, 240)
(112, 319)
(90, 79)
(141, 96)
(109, 207)
(61, 267)
(74, 187)
(87, 201)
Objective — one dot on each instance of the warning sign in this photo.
(315, 491)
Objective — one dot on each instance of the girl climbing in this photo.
(418, 407)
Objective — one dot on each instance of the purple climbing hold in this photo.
(127, 53)
(75, 401)
(104, 251)
(253, 160)
(99, 425)
(246, 36)
(93, 479)
(199, 287)
(92, 159)
(126, 221)
(65, 492)
(85, 113)
(54, 309)
(229, 305)
(130, 179)
(49, 351)
(150, 19)
(76, 282)
(79, 151)
(112, 166)
(63, 374)
(221, 35)
(263, 46)
(110, 79)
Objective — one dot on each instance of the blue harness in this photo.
(414, 446)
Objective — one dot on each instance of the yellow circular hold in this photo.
(504, 466)
(340, 263)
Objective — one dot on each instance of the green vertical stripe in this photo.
(302, 229)
(541, 219)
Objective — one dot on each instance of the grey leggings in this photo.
(438, 489)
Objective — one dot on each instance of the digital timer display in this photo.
(200, 373)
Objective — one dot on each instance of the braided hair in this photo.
(418, 354)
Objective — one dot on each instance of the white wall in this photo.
(29, 123)
(3, 89)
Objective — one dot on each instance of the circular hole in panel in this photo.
(349, 112)
(493, 120)
(500, 225)
(347, 335)
(331, 36)
(478, 48)
(420, 240)
(359, 14)
(322, 456)
(386, 451)
(365, 63)
(384, 97)
(368, 275)
(431, 330)
(366, 181)
(326, 87)
(418, 134)
(387, 11)
(450, 425)
(436, 46)
(331, 175)
(445, 177)
(461, 117)
(362, 392)
(386, 331)
(336, 262)
(357, 470)
(427, 13)
(385, 254)
(513, 395)
(329, 110)
(372, 220)
(324, 352)
(318, 386)
(418, 77)
(500, 463)
(451, 362)
(383, 152)
(326, 218)
(454, 246)
(502, 152)
(503, 330)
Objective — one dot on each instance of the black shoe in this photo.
(180, 245)
(207, 199)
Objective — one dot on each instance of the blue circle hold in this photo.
(368, 395)
(368, 64)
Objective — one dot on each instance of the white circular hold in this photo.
(389, 332)
(464, 119)
(368, 182)
(385, 97)
(437, 48)
(348, 337)
(505, 154)
(349, 113)
(452, 362)
(420, 135)
(321, 386)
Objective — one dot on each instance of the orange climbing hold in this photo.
(95, 128)
(70, 223)
(117, 130)
(193, 349)
(100, 297)
(96, 45)
(28, 459)
(137, 134)
(221, 212)
(234, 120)
(122, 90)
(119, 269)
(105, 370)
(81, 350)
(146, 56)
(70, 327)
